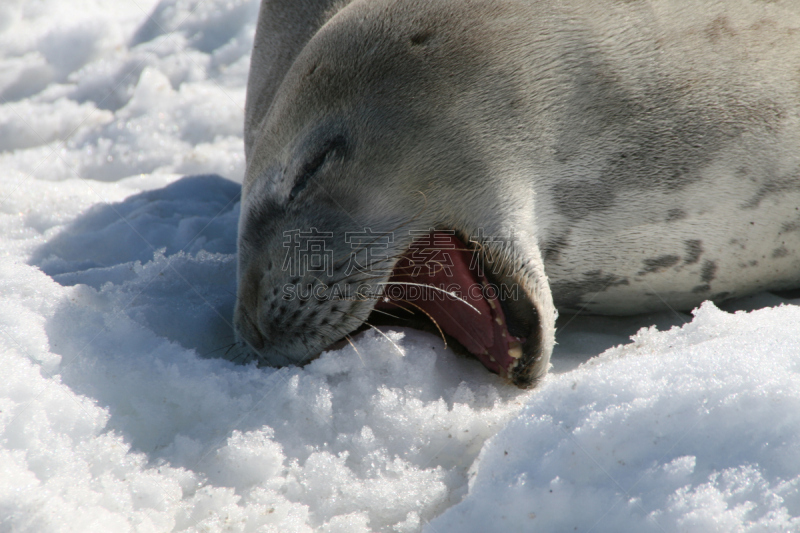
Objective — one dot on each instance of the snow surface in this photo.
(119, 408)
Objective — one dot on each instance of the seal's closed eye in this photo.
(332, 148)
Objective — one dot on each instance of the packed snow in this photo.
(123, 406)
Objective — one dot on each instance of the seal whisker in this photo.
(227, 349)
(448, 293)
(435, 323)
(439, 267)
(350, 340)
(388, 314)
(402, 354)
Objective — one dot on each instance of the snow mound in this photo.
(693, 429)
(125, 406)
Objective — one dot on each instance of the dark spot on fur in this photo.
(780, 252)
(551, 250)
(694, 249)
(788, 227)
(701, 288)
(776, 186)
(719, 28)
(420, 37)
(659, 263)
(353, 306)
(721, 296)
(577, 199)
(709, 271)
(675, 214)
(573, 295)
(668, 155)
(605, 117)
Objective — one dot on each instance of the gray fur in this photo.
(619, 140)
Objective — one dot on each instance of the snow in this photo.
(123, 409)
(693, 429)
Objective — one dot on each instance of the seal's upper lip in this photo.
(443, 279)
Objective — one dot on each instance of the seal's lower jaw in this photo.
(489, 313)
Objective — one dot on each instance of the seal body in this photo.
(630, 155)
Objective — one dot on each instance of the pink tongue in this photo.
(435, 276)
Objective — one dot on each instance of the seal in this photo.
(481, 163)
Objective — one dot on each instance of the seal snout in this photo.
(289, 313)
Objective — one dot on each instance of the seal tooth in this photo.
(492, 304)
(498, 320)
(514, 349)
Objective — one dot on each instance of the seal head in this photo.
(351, 148)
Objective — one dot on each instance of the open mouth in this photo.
(471, 303)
